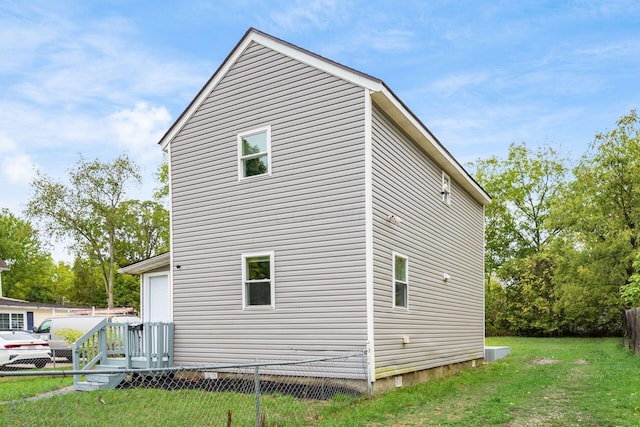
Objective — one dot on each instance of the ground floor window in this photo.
(400, 281)
(258, 287)
(13, 321)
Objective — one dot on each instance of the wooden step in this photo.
(96, 380)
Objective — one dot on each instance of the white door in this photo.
(157, 302)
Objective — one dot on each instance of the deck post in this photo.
(160, 344)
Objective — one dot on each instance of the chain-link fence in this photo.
(631, 329)
(274, 393)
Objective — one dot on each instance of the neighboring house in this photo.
(312, 213)
(16, 314)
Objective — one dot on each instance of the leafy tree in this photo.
(87, 210)
(29, 275)
(520, 269)
(162, 174)
(631, 291)
(564, 258)
(87, 287)
(524, 187)
(531, 295)
(586, 301)
(601, 213)
(127, 291)
(496, 309)
(144, 232)
(63, 279)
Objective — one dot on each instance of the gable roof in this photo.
(381, 94)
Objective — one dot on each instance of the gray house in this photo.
(312, 213)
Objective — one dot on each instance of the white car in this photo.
(17, 347)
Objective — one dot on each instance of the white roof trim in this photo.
(317, 62)
(149, 264)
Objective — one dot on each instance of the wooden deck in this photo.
(109, 348)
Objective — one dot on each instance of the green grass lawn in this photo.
(544, 382)
(16, 388)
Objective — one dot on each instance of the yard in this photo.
(544, 382)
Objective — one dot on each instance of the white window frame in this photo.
(393, 280)
(241, 158)
(272, 280)
(446, 189)
(12, 320)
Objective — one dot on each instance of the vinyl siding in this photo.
(444, 320)
(310, 212)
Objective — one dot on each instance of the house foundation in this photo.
(382, 385)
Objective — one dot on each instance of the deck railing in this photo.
(145, 345)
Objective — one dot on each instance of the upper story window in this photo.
(254, 153)
(400, 281)
(446, 188)
(258, 288)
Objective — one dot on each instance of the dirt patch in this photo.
(542, 361)
(581, 362)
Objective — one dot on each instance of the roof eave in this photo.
(380, 93)
(149, 264)
(414, 128)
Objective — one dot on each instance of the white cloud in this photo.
(306, 15)
(71, 85)
(455, 83)
(138, 129)
(390, 40)
(16, 167)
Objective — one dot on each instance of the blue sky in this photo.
(105, 77)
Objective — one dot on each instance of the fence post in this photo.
(636, 330)
(257, 392)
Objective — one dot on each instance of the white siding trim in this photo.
(317, 62)
(142, 295)
(171, 264)
(484, 273)
(368, 212)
